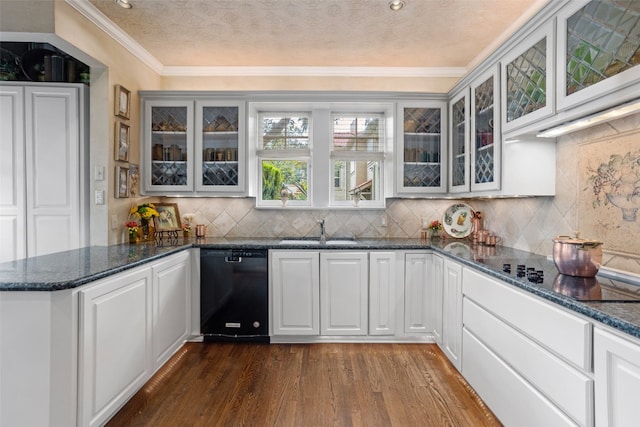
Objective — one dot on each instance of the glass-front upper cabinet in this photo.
(219, 148)
(459, 119)
(598, 51)
(421, 147)
(167, 146)
(528, 80)
(485, 132)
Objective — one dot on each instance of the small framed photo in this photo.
(122, 141)
(122, 182)
(169, 219)
(122, 102)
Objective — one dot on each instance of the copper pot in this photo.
(200, 230)
(577, 257)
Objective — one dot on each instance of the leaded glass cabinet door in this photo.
(459, 119)
(485, 133)
(528, 80)
(421, 152)
(219, 148)
(167, 146)
(598, 51)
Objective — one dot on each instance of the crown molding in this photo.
(90, 12)
(422, 72)
(101, 21)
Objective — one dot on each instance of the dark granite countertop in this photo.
(75, 268)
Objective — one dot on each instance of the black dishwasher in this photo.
(234, 295)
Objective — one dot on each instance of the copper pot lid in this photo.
(576, 240)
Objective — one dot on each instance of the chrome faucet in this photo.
(323, 237)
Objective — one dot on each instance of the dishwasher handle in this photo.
(233, 259)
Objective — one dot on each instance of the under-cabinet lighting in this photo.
(124, 3)
(604, 116)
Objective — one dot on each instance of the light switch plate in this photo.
(114, 222)
(99, 196)
(99, 173)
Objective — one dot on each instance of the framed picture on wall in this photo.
(122, 182)
(121, 141)
(169, 217)
(122, 102)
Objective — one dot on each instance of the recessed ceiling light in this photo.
(396, 5)
(124, 3)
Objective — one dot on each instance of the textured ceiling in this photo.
(321, 33)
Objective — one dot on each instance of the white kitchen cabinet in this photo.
(171, 306)
(617, 378)
(421, 147)
(459, 165)
(486, 137)
(528, 80)
(344, 289)
(192, 145)
(115, 334)
(596, 58)
(417, 293)
(382, 293)
(452, 311)
(437, 292)
(43, 193)
(528, 359)
(295, 292)
(167, 146)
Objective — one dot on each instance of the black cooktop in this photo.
(543, 273)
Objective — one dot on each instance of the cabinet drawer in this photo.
(563, 385)
(514, 401)
(566, 335)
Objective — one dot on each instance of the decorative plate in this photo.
(457, 220)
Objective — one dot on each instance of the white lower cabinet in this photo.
(451, 342)
(526, 358)
(129, 325)
(437, 277)
(115, 326)
(382, 293)
(344, 288)
(295, 292)
(334, 293)
(171, 306)
(617, 378)
(417, 294)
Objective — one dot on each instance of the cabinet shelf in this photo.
(215, 133)
(169, 132)
(423, 134)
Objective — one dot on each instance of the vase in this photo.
(146, 229)
(133, 237)
(186, 234)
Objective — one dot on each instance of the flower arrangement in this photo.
(186, 227)
(435, 225)
(187, 219)
(145, 211)
(132, 229)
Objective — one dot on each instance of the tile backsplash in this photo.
(524, 223)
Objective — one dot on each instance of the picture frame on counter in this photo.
(121, 136)
(168, 219)
(122, 102)
(122, 182)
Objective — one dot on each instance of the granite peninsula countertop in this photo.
(71, 269)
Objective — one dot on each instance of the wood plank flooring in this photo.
(233, 384)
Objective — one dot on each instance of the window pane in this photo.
(356, 177)
(288, 176)
(281, 132)
(358, 133)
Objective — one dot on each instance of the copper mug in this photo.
(200, 230)
(482, 236)
(492, 240)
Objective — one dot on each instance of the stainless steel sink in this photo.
(330, 242)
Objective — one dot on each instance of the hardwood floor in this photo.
(232, 384)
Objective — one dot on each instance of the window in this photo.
(357, 154)
(320, 155)
(284, 156)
